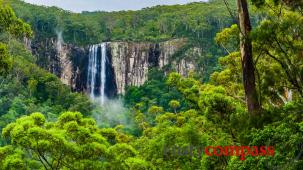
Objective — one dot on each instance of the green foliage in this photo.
(281, 44)
(230, 75)
(174, 104)
(26, 88)
(71, 142)
(150, 24)
(229, 38)
(5, 60)
(285, 136)
(219, 120)
(14, 26)
(12, 158)
(181, 129)
(10, 23)
(154, 92)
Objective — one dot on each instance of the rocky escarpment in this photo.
(131, 61)
(67, 61)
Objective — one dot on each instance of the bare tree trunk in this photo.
(248, 69)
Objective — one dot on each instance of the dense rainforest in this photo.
(250, 97)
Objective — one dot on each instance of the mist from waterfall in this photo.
(96, 78)
(60, 40)
(108, 112)
(113, 113)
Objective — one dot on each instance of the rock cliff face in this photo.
(130, 60)
(67, 61)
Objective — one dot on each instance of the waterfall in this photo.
(92, 70)
(96, 78)
(103, 72)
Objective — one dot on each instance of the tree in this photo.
(279, 39)
(5, 60)
(14, 26)
(72, 142)
(248, 68)
(174, 104)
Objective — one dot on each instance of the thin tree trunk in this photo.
(248, 69)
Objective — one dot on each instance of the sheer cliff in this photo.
(130, 61)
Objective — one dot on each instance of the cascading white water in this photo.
(97, 66)
(92, 70)
(103, 72)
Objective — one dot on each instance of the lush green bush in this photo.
(72, 142)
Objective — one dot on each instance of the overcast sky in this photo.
(106, 5)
